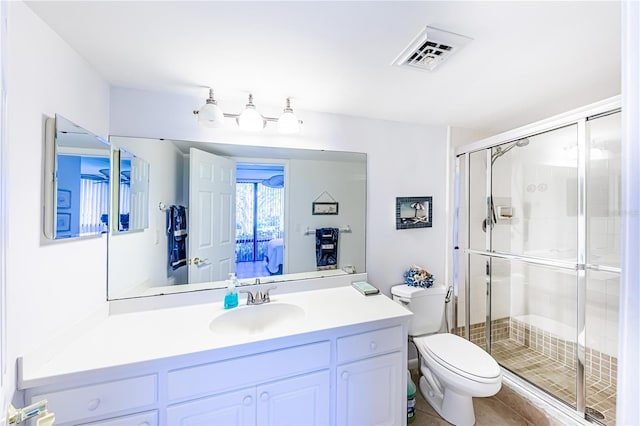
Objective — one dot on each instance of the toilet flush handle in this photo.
(404, 301)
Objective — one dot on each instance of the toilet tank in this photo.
(427, 305)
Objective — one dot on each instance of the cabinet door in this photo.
(236, 408)
(299, 401)
(369, 392)
(150, 418)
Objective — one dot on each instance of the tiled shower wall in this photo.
(599, 366)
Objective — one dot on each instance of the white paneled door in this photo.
(211, 217)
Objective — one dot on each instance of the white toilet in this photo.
(452, 369)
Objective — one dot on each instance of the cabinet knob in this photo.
(93, 404)
(373, 345)
(264, 396)
(247, 400)
(345, 375)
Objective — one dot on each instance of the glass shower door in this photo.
(534, 282)
(603, 180)
(539, 221)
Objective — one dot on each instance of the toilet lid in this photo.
(460, 355)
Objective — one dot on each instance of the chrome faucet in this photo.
(259, 298)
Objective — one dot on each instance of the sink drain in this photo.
(592, 412)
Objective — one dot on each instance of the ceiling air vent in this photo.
(430, 48)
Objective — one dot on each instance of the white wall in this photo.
(49, 284)
(628, 409)
(4, 389)
(403, 160)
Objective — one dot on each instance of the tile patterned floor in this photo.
(489, 412)
(554, 377)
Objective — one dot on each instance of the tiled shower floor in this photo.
(554, 377)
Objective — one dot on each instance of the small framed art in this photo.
(324, 208)
(63, 222)
(414, 212)
(64, 199)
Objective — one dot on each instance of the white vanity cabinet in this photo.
(302, 400)
(106, 399)
(236, 408)
(371, 378)
(149, 418)
(344, 363)
(290, 386)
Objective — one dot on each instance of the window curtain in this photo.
(94, 206)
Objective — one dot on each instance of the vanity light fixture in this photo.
(210, 115)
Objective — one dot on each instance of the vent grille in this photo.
(430, 48)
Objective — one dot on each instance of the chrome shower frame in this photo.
(462, 253)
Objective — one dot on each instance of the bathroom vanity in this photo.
(330, 356)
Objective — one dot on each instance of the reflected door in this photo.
(211, 217)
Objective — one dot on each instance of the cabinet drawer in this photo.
(100, 399)
(246, 371)
(150, 418)
(370, 343)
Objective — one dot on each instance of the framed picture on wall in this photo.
(64, 199)
(414, 212)
(324, 208)
(63, 222)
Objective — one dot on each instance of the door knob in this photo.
(197, 261)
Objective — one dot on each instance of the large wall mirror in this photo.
(272, 214)
(76, 190)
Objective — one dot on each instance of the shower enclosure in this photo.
(536, 254)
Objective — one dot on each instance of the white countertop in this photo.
(128, 338)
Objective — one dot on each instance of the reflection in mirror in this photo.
(260, 218)
(133, 192)
(77, 166)
(220, 208)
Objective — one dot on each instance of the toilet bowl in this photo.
(452, 369)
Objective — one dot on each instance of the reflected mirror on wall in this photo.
(132, 191)
(234, 208)
(77, 165)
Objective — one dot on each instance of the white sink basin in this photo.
(257, 318)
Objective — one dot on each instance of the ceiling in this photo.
(527, 60)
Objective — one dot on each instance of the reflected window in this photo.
(259, 219)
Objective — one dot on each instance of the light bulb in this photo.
(288, 123)
(210, 115)
(250, 119)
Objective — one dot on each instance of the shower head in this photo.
(499, 152)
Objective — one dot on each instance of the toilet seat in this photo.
(460, 356)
